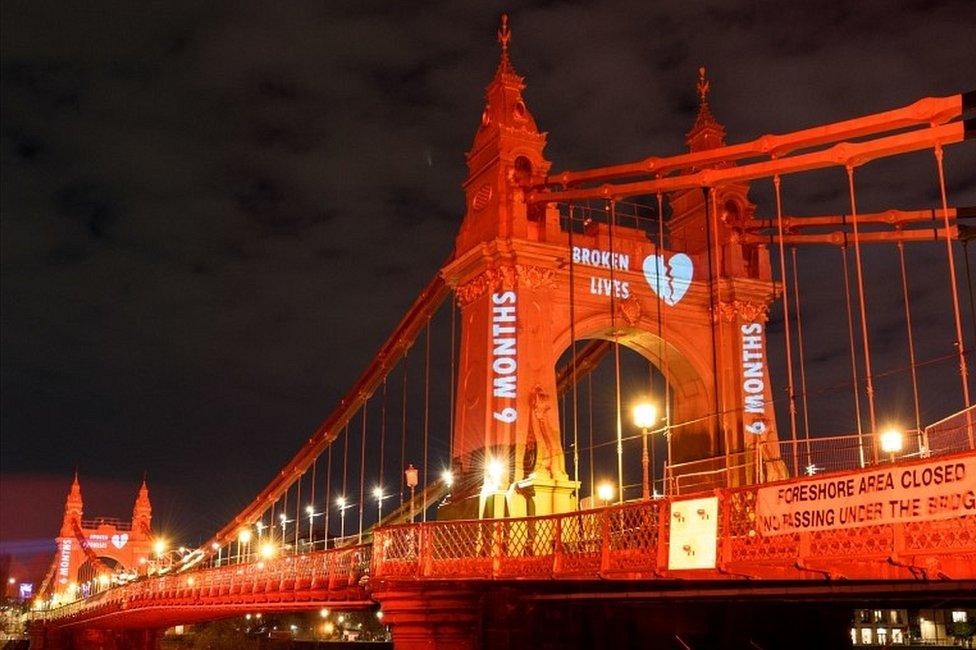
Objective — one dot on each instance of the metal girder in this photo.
(927, 111)
(844, 154)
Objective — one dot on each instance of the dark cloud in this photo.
(213, 214)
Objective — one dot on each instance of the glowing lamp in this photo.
(267, 550)
(244, 536)
(341, 502)
(159, 546)
(892, 441)
(495, 469)
(324, 612)
(448, 477)
(605, 492)
(378, 493)
(411, 475)
(645, 415)
(215, 546)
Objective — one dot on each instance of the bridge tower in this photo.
(511, 275)
(87, 549)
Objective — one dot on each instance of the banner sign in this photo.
(925, 492)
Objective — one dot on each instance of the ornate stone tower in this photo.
(91, 551)
(507, 449)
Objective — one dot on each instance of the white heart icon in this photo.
(669, 281)
(118, 541)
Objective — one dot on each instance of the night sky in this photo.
(214, 213)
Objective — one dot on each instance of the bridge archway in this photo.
(89, 571)
(683, 365)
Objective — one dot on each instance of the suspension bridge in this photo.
(490, 443)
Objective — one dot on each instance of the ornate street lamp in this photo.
(411, 475)
(645, 416)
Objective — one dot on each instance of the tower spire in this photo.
(73, 507)
(706, 133)
(142, 511)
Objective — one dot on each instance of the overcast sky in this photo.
(214, 213)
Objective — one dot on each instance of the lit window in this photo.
(882, 636)
(897, 636)
(877, 616)
(854, 635)
(958, 617)
(894, 616)
(866, 635)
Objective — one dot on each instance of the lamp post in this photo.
(341, 502)
(283, 518)
(892, 441)
(645, 415)
(243, 540)
(411, 476)
(379, 496)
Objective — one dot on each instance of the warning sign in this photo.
(925, 492)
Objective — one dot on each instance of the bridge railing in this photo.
(585, 544)
(323, 575)
(632, 540)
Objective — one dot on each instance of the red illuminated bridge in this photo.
(495, 479)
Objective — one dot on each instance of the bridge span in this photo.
(667, 260)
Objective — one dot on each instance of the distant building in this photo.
(913, 628)
(92, 550)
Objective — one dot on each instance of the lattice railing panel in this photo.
(581, 537)
(632, 533)
(936, 537)
(526, 547)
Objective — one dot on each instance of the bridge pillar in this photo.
(435, 617)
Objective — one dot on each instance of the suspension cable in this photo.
(362, 471)
(714, 271)
(663, 358)
(954, 290)
(616, 360)
(426, 409)
(311, 516)
(800, 349)
(328, 497)
(403, 423)
(298, 509)
(450, 414)
(572, 340)
(790, 390)
(853, 353)
(911, 340)
(969, 283)
(868, 378)
(589, 412)
(345, 465)
(382, 437)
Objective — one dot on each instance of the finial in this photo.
(702, 86)
(504, 34)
